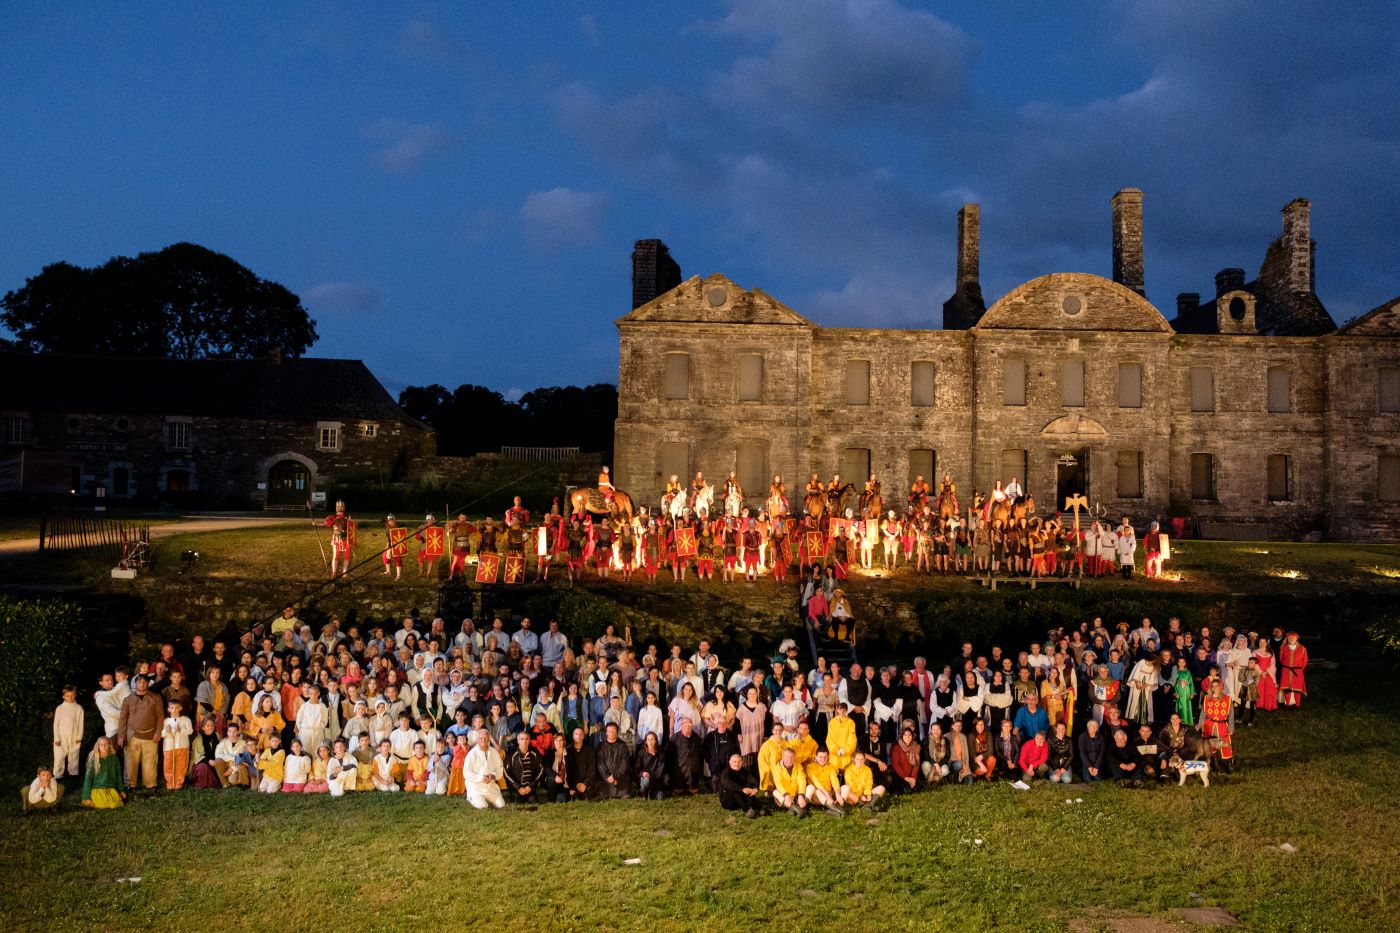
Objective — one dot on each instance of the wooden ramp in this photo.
(1031, 582)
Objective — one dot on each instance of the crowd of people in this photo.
(492, 715)
(698, 529)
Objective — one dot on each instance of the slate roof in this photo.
(289, 389)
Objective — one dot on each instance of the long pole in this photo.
(319, 545)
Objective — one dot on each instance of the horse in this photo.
(844, 499)
(733, 503)
(776, 505)
(673, 506)
(701, 501)
(815, 503)
(947, 505)
(917, 501)
(591, 499)
(871, 505)
(1024, 507)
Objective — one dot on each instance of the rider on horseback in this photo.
(918, 490)
(605, 485)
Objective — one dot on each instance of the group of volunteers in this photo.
(494, 715)
(700, 529)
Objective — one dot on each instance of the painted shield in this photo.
(434, 541)
(816, 544)
(398, 542)
(488, 565)
(515, 568)
(685, 542)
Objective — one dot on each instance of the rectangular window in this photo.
(750, 468)
(14, 429)
(750, 377)
(1202, 388)
(1130, 474)
(1203, 477)
(121, 481)
(1013, 382)
(1279, 490)
(677, 375)
(922, 382)
(369, 429)
(923, 462)
(1129, 385)
(329, 439)
(855, 465)
(1072, 383)
(857, 382)
(1389, 377)
(1012, 465)
(1280, 390)
(675, 460)
(1388, 477)
(177, 435)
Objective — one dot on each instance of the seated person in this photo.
(43, 793)
(790, 784)
(738, 788)
(860, 788)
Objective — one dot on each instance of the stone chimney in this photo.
(1186, 302)
(1228, 280)
(1127, 240)
(654, 272)
(969, 243)
(967, 306)
(1298, 245)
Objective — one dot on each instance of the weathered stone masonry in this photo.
(1248, 414)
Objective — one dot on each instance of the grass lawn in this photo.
(1327, 781)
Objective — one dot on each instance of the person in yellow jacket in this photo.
(860, 787)
(841, 738)
(790, 784)
(804, 745)
(824, 783)
(271, 765)
(769, 754)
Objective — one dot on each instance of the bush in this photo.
(41, 645)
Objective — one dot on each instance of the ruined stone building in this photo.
(1250, 413)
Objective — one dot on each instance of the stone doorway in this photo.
(1071, 476)
(288, 484)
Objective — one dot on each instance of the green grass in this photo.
(1326, 780)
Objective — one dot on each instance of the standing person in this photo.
(342, 528)
(138, 732)
(1293, 662)
(1093, 753)
(483, 773)
(175, 735)
(112, 690)
(1268, 679)
(313, 720)
(614, 762)
(1127, 547)
(102, 777)
(1215, 721)
(1142, 685)
(67, 733)
(1184, 692)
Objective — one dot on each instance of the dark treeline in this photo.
(473, 419)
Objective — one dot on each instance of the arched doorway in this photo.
(288, 484)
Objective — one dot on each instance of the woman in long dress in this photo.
(1268, 679)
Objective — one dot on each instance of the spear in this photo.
(319, 545)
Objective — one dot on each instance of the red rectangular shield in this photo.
(515, 568)
(816, 544)
(487, 566)
(398, 542)
(685, 542)
(434, 541)
(839, 526)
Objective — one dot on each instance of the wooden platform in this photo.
(1031, 582)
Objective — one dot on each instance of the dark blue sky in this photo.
(454, 188)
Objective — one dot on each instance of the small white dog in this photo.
(1187, 767)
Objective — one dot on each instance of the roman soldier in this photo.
(460, 532)
(397, 546)
(430, 546)
(777, 497)
(488, 539)
(872, 487)
(342, 528)
(517, 514)
(814, 485)
(778, 546)
(918, 490)
(949, 489)
(1292, 662)
(752, 542)
(1215, 720)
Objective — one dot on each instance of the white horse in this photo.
(733, 503)
(703, 500)
(674, 506)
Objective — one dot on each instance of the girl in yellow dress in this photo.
(102, 778)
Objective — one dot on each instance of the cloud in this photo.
(344, 298)
(403, 147)
(562, 219)
(424, 39)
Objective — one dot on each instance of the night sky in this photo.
(454, 188)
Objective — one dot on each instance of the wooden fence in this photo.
(540, 454)
(82, 533)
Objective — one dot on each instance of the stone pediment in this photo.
(1074, 301)
(715, 299)
(1073, 428)
(1378, 322)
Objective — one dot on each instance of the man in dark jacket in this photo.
(718, 746)
(524, 771)
(1124, 762)
(614, 761)
(581, 768)
(1061, 756)
(685, 768)
(1092, 753)
(738, 789)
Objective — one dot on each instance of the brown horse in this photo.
(815, 504)
(947, 505)
(871, 504)
(846, 497)
(1024, 507)
(590, 499)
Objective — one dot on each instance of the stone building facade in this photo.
(1249, 415)
(213, 433)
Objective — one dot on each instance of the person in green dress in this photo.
(1185, 693)
(102, 778)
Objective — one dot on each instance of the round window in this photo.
(716, 297)
(1237, 308)
(123, 424)
(1072, 304)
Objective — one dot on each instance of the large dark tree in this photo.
(183, 302)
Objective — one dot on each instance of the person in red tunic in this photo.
(459, 532)
(1215, 721)
(1292, 663)
(752, 540)
(517, 514)
(342, 528)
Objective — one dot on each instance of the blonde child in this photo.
(175, 735)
